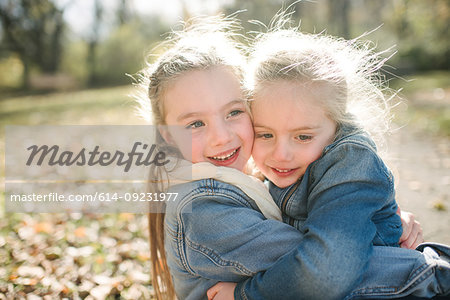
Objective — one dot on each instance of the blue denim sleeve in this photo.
(228, 240)
(335, 250)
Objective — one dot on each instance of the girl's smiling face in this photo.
(208, 104)
(291, 130)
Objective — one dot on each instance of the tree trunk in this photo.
(25, 85)
(338, 14)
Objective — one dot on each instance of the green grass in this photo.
(422, 81)
(427, 100)
(107, 106)
(429, 119)
(89, 107)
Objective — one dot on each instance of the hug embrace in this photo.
(311, 110)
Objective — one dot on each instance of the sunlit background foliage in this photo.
(65, 62)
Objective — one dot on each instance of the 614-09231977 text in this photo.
(98, 196)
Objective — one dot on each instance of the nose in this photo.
(219, 133)
(281, 151)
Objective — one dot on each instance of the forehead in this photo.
(201, 90)
(288, 102)
(202, 78)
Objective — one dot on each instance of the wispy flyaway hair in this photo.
(350, 69)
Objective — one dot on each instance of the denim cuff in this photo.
(442, 249)
(239, 290)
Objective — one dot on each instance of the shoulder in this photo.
(207, 192)
(352, 156)
(204, 208)
(352, 147)
(358, 139)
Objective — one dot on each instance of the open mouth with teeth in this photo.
(283, 172)
(225, 159)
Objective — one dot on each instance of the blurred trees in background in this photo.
(37, 41)
(419, 29)
(38, 45)
(33, 30)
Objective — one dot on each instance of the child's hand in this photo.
(222, 291)
(412, 231)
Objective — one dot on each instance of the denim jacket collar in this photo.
(345, 132)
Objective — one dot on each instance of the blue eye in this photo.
(304, 138)
(235, 113)
(264, 135)
(195, 124)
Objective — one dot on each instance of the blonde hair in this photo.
(351, 69)
(203, 43)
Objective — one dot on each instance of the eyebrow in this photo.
(194, 114)
(187, 116)
(292, 130)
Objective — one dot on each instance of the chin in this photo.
(283, 183)
(282, 186)
(239, 166)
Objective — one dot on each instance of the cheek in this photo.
(196, 148)
(245, 129)
(312, 154)
(249, 139)
(259, 154)
(182, 140)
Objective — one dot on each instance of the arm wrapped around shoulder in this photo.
(225, 239)
(352, 173)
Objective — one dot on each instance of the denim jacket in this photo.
(343, 205)
(214, 232)
(348, 190)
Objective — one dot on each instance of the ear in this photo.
(166, 135)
